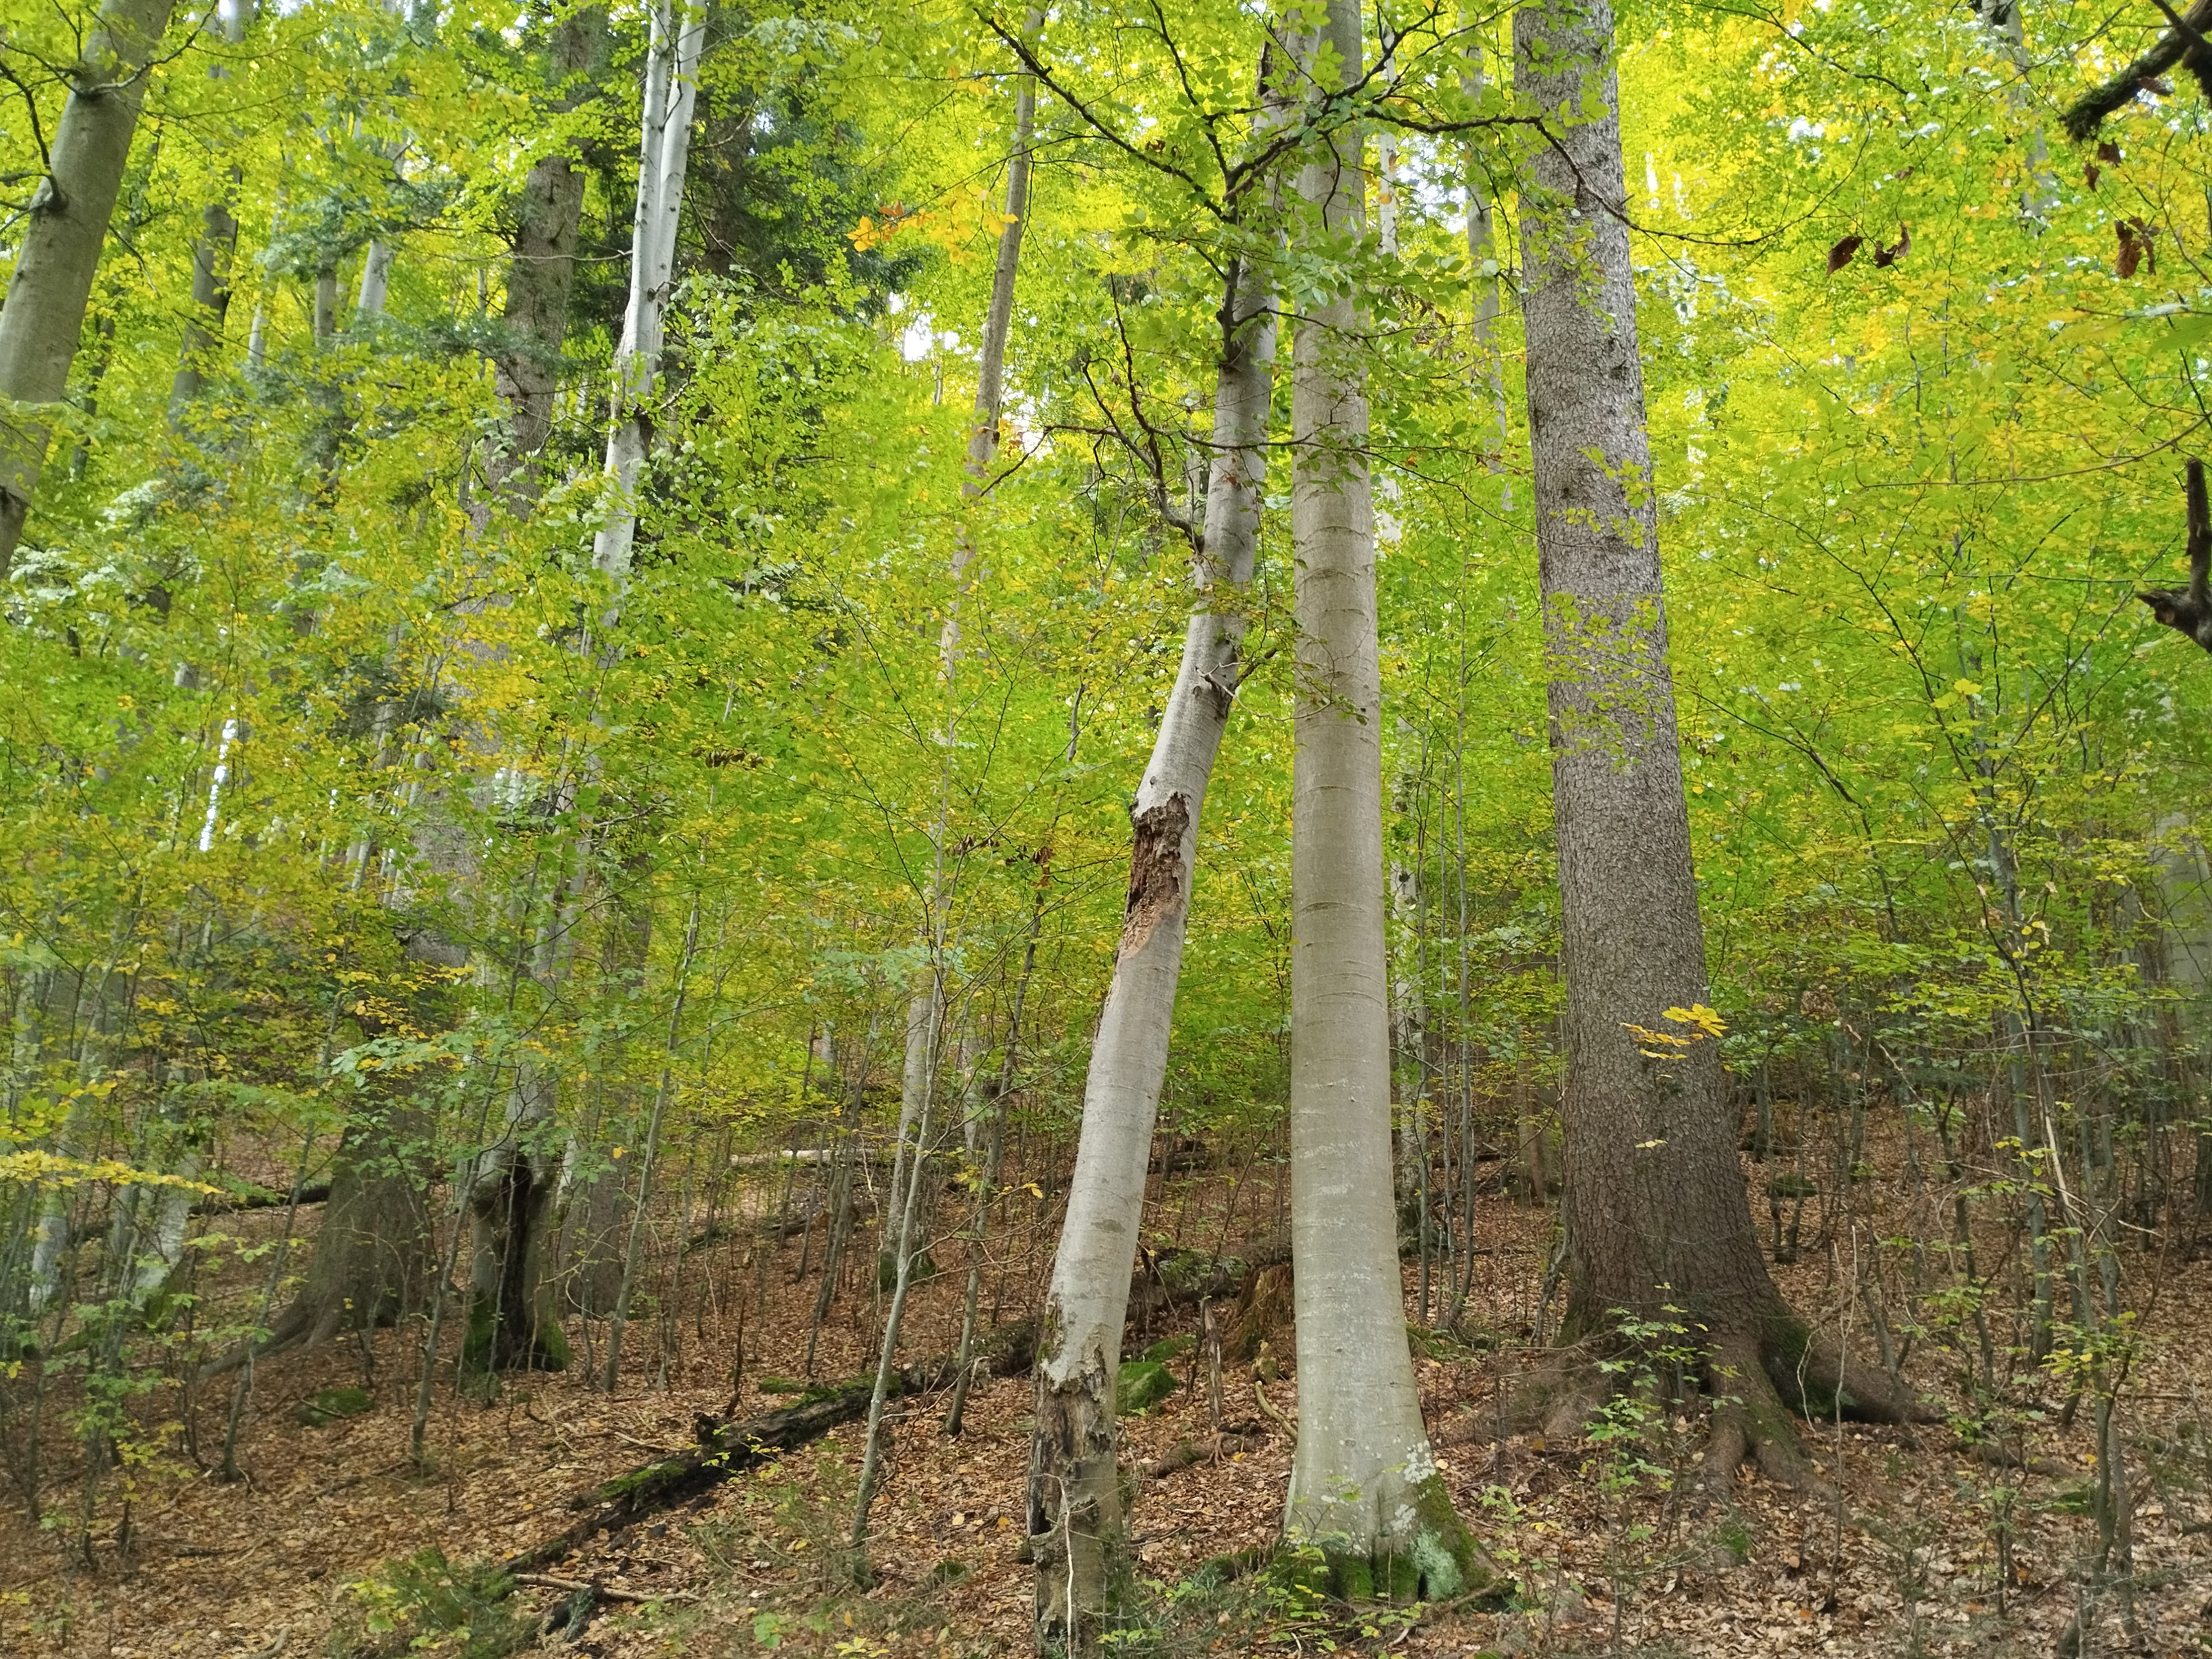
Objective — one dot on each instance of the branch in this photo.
(2090, 110)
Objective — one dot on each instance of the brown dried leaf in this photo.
(1840, 255)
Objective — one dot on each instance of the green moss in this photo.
(1447, 1562)
(550, 1352)
(329, 1404)
(1169, 1348)
(1141, 1385)
(475, 1346)
(1301, 1575)
(608, 1491)
(1351, 1577)
(553, 1351)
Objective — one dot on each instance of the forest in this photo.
(1123, 828)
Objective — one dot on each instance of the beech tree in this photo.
(1077, 1525)
(1364, 1487)
(43, 311)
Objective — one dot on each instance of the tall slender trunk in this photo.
(650, 1152)
(60, 251)
(211, 254)
(1078, 1532)
(672, 81)
(513, 1188)
(1364, 1485)
(1656, 1211)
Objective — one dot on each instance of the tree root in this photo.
(1756, 1380)
(1750, 1422)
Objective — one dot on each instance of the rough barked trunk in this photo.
(1075, 1518)
(60, 250)
(512, 1322)
(526, 371)
(1657, 1214)
(371, 1264)
(211, 256)
(1364, 1487)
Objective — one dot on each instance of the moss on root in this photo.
(1435, 1559)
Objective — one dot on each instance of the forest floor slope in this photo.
(1900, 1556)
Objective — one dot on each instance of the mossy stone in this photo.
(1169, 1348)
(329, 1404)
(1142, 1384)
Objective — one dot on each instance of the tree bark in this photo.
(1656, 1211)
(1364, 1485)
(513, 1325)
(671, 80)
(211, 256)
(61, 248)
(1075, 1514)
(371, 1263)
(541, 274)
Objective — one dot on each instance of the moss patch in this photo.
(1142, 1384)
(329, 1404)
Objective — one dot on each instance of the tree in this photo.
(211, 254)
(61, 246)
(549, 216)
(1364, 1487)
(1658, 1223)
(1076, 1523)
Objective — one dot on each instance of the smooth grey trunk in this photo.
(375, 283)
(1482, 258)
(925, 1013)
(211, 254)
(1077, 1528)
(671, 83)
(59, 254)
(1364, 1485)
(871, 1451)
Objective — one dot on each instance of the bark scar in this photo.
(1156, 872)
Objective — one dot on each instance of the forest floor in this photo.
(1612, 1551)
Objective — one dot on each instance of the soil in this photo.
(1613, 1552)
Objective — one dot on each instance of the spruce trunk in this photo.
(541, 273)
(1656, 1210)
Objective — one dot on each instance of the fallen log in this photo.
(1163, 1279)
(264, 1198)
(728, 1448)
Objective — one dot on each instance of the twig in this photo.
(604, 1592)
